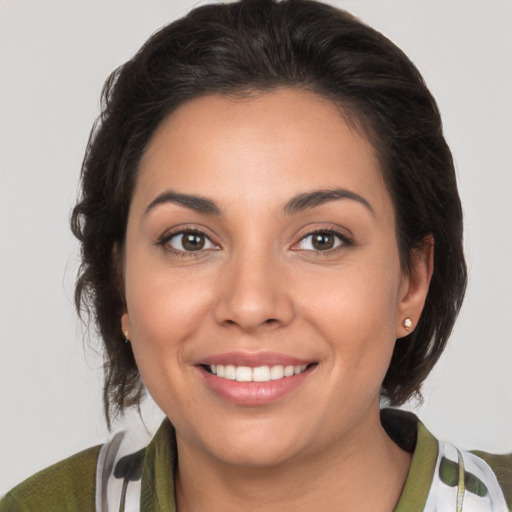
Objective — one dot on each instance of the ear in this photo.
(414, 287)
(125, 325)
(118, 264)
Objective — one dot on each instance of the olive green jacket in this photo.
(70, 485)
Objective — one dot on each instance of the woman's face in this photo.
(261, 246)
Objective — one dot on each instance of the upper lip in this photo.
(253, 359)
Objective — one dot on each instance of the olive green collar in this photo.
(157, 492)
(417, 486)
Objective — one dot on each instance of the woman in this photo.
(262, 200)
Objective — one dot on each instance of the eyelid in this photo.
(344, 239)
(164, 239)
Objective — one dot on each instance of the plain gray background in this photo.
(54, 57)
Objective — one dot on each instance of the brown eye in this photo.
(322, 241)
(190, 241)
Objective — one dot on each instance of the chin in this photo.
(256, 445)
(257, 455)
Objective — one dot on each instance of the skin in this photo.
(259, 284)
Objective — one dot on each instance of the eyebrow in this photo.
(318, 197)
(196, 203)
(295, 205)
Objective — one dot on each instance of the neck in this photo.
(364, 471)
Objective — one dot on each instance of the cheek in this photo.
(161, 325)
(355, 308)
(166, 308)
(162, 302)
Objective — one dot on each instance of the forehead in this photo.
(266, 146)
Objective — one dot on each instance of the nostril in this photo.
(269, 321)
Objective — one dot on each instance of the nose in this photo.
(253, 294)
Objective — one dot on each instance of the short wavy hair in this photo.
(255, 46)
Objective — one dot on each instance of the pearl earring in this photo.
(407, 323)
(126, 338)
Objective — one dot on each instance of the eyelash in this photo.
(166, 238)
(343, 239)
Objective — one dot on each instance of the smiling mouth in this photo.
(255, 374)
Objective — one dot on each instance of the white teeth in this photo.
(230, 372)
(261, 374)
(276, 372)
(257, 374)
(243, 374)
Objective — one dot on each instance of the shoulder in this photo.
(68, 485)
(502, 468)
(442, 473)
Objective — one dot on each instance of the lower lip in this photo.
(254, 393)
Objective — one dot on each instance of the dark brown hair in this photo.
(255, 46)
